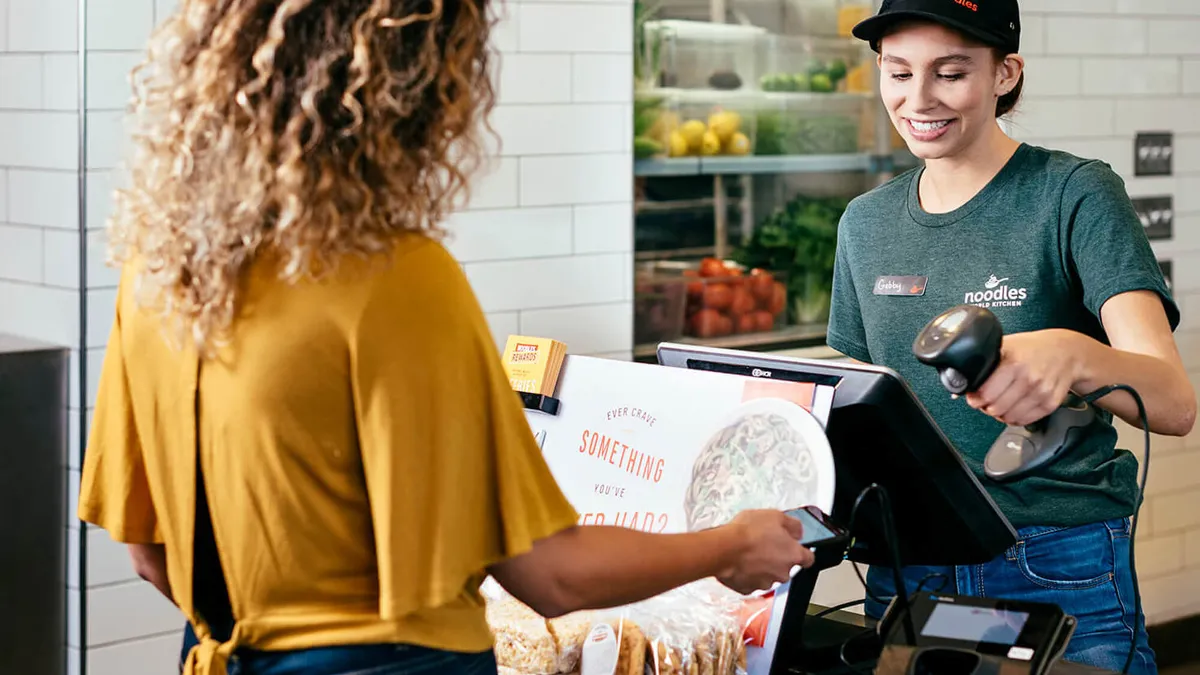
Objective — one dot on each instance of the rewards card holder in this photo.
(533, 366)
(539, 402)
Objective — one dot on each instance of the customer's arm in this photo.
(150, 563)
(593, 567)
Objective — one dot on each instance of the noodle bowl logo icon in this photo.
(993, 282)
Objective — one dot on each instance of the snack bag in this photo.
(527, 643)
(570, 633)
(523, 642)
(615, 645)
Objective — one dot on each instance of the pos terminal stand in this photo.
(881, 435)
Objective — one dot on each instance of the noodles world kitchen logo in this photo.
(997, 292)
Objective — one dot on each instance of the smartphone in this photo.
(818, 529)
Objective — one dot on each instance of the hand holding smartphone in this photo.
(819, 530)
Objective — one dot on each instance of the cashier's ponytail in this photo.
(1008, 102)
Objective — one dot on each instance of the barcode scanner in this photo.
(963, 344)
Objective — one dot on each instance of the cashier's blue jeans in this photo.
(355, 660)
(1084, 570)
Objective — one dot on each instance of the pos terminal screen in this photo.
(974, 624)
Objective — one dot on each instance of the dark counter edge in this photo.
(1174, 642)
(12, 344)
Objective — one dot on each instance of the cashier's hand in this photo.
(1037, 369)
(766, 549)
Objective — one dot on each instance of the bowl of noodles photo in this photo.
(769, 453)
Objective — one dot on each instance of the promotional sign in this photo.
(669, 450)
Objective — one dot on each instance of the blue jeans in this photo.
(1084, 570)
(355, 660)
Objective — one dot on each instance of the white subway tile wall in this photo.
(42, 26)
(547, 237)
(1137, 70)
(3, 25)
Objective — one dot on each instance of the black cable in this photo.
(837, 608)
(932, 575)
(889, 533)
(842, 654)
(866, 589)
(893, 543)
(1137, 509)
(892, 540)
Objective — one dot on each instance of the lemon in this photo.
(710, 144)
(666, 124)
(677, 145)
(739, 144)
(724, 124)
(693, 133)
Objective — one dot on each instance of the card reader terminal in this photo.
(967, 635)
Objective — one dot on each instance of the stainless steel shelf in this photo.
(787, 337)
(785, 164)
(760, 164)
(675, 166)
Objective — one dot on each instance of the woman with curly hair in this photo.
(303, 429)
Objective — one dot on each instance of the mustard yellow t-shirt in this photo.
(364, 456)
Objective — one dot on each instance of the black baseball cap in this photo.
(996, 23)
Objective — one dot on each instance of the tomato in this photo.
(695, 290)
(742, 303)
(711, 267)
(726, 325)
(763, 320)
(778, 299)
(746, 323)
(706, 323)
(717, 296)
(762, 285)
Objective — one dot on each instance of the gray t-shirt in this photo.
(1043, 245)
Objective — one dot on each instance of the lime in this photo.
(644, 148)
(837, 70)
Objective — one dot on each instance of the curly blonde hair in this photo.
(311, 129)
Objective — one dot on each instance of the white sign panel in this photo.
(673, 450)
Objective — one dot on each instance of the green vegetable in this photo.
(837, 70)
(821, 83)
(783, 133)
(801, 239)
(644, 148)
(647, 46)
(769, 134)
(776, 82)
(644, 120)
(824, 135)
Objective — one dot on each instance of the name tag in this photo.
(893, 285)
